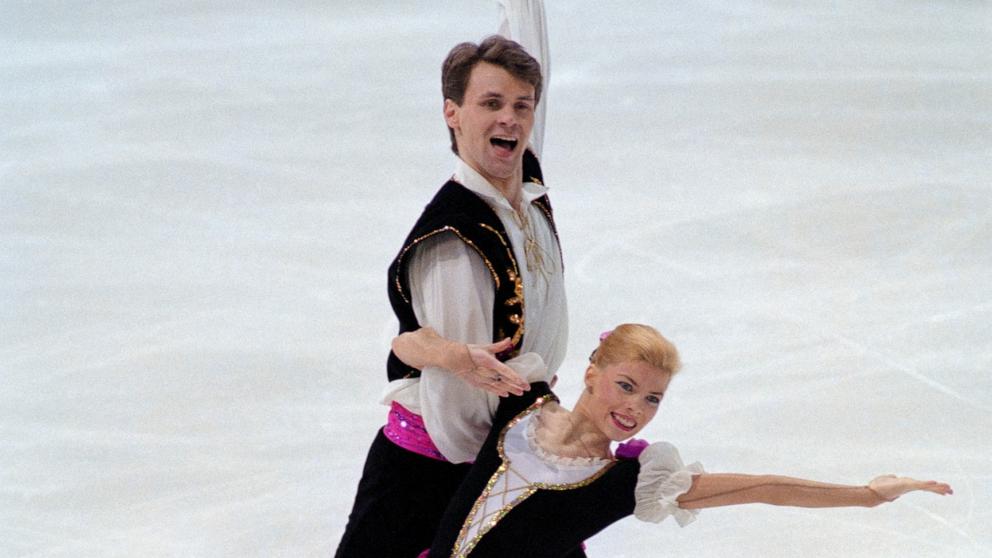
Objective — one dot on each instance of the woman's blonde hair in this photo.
(637, 343)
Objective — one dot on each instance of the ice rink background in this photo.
(198, 202)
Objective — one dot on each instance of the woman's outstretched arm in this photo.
(728, 489)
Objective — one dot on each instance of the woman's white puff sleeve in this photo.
(662, 479)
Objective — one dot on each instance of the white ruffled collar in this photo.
(471, 179)
(530, 432)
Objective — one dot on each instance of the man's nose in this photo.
(507, 116)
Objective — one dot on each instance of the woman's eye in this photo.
(654, 400)
(625, 386)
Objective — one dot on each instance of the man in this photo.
(479, 275)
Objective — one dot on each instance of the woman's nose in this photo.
(639, 407)
(632, 408)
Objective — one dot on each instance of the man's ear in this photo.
(451, 110)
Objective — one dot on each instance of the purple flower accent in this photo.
(631, 449)
(605, 334)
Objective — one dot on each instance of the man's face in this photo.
(493, 124)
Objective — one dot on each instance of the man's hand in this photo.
(481, 368)
(475, 364)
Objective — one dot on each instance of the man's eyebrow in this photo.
(496, 95)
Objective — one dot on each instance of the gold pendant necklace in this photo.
(532, 250)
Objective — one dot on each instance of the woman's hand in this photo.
(481, 368)
(890, 487)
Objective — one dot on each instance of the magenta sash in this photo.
(406, 429)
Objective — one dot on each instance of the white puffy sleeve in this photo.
(460, 310)
(663, 478)
(452, 290)
(523, 21)
(456, 414)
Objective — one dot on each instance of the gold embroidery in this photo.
(489, 520)
(502, 241)
(518, 287)
(551, 221)
(547, 212)
(518, 298)
(418, 240)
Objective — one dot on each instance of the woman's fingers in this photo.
(890, 487)
(939, 488)
(934, 486)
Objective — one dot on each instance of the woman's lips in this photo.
(623, 422)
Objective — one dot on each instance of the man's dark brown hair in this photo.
(496, 50)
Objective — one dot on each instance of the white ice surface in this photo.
(198, 202)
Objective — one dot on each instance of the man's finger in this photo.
(501, 346)
(510, 376)
(497, 385)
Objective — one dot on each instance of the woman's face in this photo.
(624, 397)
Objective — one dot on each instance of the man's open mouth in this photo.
(504, 143)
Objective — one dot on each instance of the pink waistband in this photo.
(406, 429)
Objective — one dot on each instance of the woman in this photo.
(546, 479)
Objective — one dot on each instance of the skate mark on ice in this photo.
(911, 372)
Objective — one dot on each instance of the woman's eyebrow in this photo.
(634, 382)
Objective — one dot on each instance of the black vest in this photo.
(458, 211)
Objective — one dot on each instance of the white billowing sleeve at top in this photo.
(523, 21)
(663, 478)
